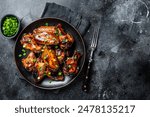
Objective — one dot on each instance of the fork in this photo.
(85, 86)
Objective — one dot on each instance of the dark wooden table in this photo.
(121, 67)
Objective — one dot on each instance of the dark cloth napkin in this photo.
(62, 12)
(58, 11)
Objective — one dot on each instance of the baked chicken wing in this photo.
(40, 68)
(28, 42)
(50, 58)
(46, 38)
(29, 62)
(66, 41)
(71, 64)
(48, 29)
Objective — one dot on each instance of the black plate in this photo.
(78, 44)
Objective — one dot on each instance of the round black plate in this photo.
(78, 44)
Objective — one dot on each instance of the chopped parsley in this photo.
(34, 60)
(57, 32)
(40, 68)
(59, 73)
(56, 47)
(60, 34)
(23, 50)
(24, 54)
(45, 57)
(46, 24)
(64, 41)
(20, 55)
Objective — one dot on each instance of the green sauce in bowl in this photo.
(10, 26)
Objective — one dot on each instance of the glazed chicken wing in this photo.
(28, 42)
(29, 62)
(46, 38)
(48, 29)
(40, 67)
(66, 41)
(71, 63)
(50, 58)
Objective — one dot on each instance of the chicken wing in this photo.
(70, 66)
(40, 67)
(29, 61)
(66, 41)
(50, 58)
(46, 38)
(48, 29)
(28, 42)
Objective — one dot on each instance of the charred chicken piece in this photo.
(29, 61)
(48, 29)
(66, 41)
(28, 42)
(50, 58)
(60, 55)
(40, 67)
(71, 63)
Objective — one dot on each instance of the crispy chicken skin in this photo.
(29, 62)
(28, 42)
(66, 41)
(46, 38)
(40, 67)
(60, 55)
(50, 58)
(70, 66)
(48, 29)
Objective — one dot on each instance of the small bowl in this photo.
(1, 23)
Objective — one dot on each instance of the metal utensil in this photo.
(93, 46)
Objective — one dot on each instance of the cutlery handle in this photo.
(86, 82)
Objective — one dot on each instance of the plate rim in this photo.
(81, 68)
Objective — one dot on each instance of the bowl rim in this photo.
(1, 22)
